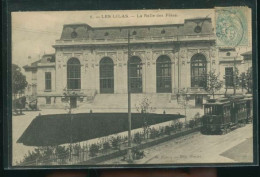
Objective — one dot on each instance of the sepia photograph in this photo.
(132, 87)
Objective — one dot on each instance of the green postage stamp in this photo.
(232, 26)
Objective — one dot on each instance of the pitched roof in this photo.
(46, 58)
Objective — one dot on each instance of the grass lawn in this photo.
(50, 130)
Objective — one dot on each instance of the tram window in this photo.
(227, 111)
(242, 107)
(208, 110)
(239, 108)
(212, 110)
(216, 110)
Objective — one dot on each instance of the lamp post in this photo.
(235, 72)
(129, 152)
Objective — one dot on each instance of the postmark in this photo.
(231, 26)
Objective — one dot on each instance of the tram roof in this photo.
(225, 100)
(219, 101)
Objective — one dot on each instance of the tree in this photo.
(249, 80)
(183, 100)
(214, 84)
(66, 99)
(19, 82)
(144, 108)
(236, 80)
(243, 83)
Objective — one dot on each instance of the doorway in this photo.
(198, 101)
(73, 102)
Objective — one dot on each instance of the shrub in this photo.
(167, 130)
(115, 142)
(46, 154)
(191, 124)
(161, 131)
(137, 154)
(137, 138)
(62, 153)
(93, 150)
(154, 133)
(31, 158)
(76, 149)
(125, 138)
(106, 145)
(197, 115)
(179, 125)
(173, 127)
(198, 121)
(197, 118)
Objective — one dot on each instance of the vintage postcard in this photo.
(132, 87)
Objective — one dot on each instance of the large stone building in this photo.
(90, 63)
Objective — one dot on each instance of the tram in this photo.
(226, 114)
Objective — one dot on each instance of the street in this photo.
(236, 146)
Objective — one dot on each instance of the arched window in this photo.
(135, 74)
(163, 74)
(73, 74)
(198, 71)
(106, 69)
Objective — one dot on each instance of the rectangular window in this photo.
(48, 81)
(229, 77)
(34, 75)
(34, 89)
(48, 100)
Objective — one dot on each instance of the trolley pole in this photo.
(129, 152)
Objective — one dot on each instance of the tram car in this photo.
(225, 114)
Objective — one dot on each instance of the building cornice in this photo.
(124, 41)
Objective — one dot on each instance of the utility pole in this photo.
(70, 115)
(129, 152)
(234, 75)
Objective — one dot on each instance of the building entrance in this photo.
(73, 102)
(198, 101)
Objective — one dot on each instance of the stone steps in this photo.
(120, 101)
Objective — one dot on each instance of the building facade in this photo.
(159, 59)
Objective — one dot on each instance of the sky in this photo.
(34, 33)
